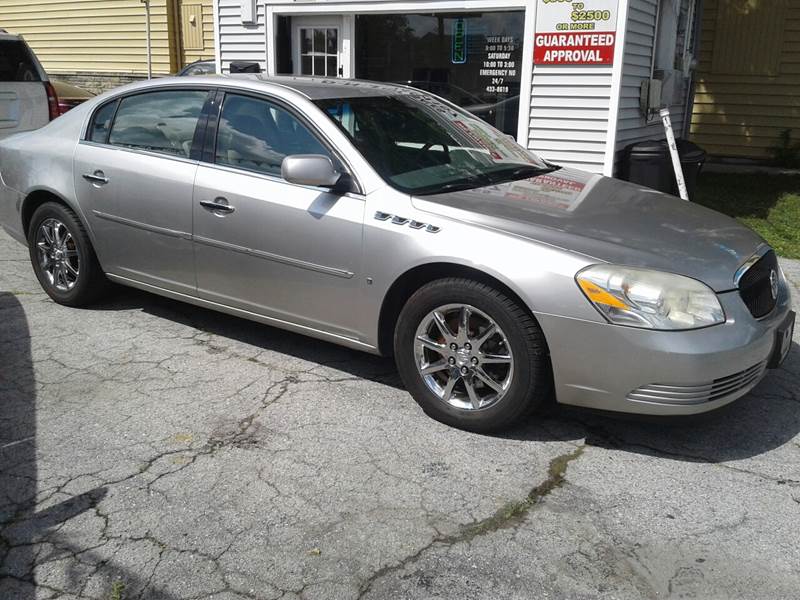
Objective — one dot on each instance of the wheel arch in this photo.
(411, 280)
(34, 199)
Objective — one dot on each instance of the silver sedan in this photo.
(386, 219)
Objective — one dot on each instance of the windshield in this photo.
(421, 145)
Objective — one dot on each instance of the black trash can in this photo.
(649, 163)
(243, 66)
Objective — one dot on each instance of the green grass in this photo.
(117, 591)
(770, 204)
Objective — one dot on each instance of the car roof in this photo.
(4, 35)
(321, 88)
(310, 88)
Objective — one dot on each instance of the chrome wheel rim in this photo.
(58, 254)
(463, 357)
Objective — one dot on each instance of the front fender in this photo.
(542, 276)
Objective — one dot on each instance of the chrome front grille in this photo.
(698, 394)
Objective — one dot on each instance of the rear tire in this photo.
(62, 256)
(481, 377)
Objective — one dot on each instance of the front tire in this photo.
(62, 256)
(471, 356)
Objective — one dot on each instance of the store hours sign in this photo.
(575, 33)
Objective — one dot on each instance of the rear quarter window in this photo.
(16, 62)
(101, 123)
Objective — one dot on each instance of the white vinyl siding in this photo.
(240, 41)
(569, 115)
(639, 41)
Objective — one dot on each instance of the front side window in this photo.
(161, 121)
(257, 135)
(421, 145)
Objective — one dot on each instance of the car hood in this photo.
(609, 220)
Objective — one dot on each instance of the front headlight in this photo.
(650, 299)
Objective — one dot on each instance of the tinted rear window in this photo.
(158, 121)
(200, 69)
(16, 62)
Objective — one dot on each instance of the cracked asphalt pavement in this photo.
(154, 450)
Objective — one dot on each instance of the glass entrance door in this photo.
(313, 45)
(319, 51)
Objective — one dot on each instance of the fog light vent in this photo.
(717, 389)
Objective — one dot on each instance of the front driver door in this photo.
(290, 252)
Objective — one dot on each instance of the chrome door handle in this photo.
(96, 177)
(217, 205)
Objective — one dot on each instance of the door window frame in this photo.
(199, 129)
(347, 11)
(211, 130)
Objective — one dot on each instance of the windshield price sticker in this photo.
(575, 33)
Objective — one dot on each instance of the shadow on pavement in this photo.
(18, 472)
(761, 421)
(766, 418)
(22, 527)
(358, 364)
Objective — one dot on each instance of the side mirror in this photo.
(310, 169)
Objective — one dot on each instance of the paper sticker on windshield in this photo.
(500, 147)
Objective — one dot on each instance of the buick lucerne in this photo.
(386, 219)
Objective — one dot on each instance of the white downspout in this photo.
(673, 152)
(147, 34)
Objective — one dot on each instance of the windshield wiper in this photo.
(521, 173)
(457, 186)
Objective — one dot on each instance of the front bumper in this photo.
(609, 367)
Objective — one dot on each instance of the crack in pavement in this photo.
(509, 515)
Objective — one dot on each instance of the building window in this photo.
(319, 51)
(472, 59)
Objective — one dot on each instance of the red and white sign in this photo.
(575, 33)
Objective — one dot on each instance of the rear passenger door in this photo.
(23, 96)
(134, 174)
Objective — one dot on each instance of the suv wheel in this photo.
(471, 356)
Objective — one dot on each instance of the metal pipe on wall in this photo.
(147, 35)
(696, 24)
